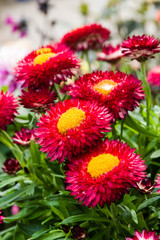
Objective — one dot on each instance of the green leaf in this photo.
(54, 234)
(57, 212)
(134, 216)
(126, 213)
(141, 222)
(4, 201)
(40, 232)
(83, 217)
(29, 229)
(7, 140)
(12, 180)
(137, 126)
(147, 202)
(155, 154)
(35, 153)
(21, 214)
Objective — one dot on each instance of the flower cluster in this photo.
(80, 126)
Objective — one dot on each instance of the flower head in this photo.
(110, 54)
(78, 232)
(145, 185)
(71, 126)
(117, 91)
(140, 47)
(47, 65)
(24, 137)
(144, 236)
(11, 166)
(157, 185)
(153, 76)
(86, 37)
(38, 100)
(104, 174)
(8, 106)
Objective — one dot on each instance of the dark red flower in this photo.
(86, 37)
(145, 185)
(39, 100)
(78, 232)
(11, 166)
(72, 126)
(47, 65)
(104, 174)
(110, 54)
(24, 137)
(140, 47)
(8, 106)
(117, 91)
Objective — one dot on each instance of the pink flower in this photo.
(144, 236)
(15, 209)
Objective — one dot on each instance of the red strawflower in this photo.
(153, 76)
(104, 174)
(39, 100)
(86, 37)
(71, 126)
(11, 166)
(8, 106)
(110, 54)
(144, 236)
(24, 137)
(140, 47)
(117, 91)
(145, 186)
(47, 65)
(157, 185)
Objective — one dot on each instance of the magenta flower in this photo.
(144, 236)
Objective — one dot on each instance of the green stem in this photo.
(148, 93)
(56, 86)
(114, 67)
(121, 133)
(113, 212)
(88, 60)
(114, 133)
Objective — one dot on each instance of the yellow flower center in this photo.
(101, 164)
(44, 50)
(72, 118)
(105, 86)
(42, 58)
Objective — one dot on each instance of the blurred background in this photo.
(27, 24)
